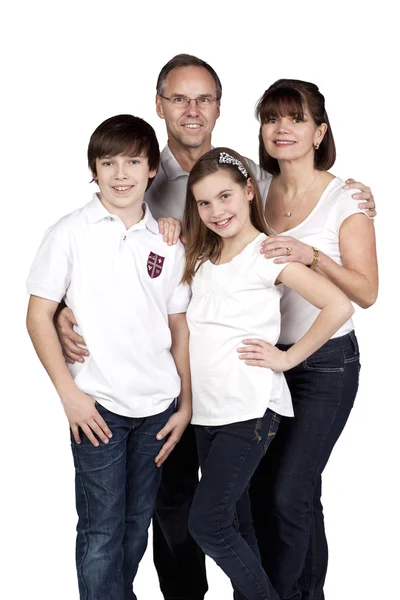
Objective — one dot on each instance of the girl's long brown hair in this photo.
(202, 243)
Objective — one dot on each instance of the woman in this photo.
(313, 220)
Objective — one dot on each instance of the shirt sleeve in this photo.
(257, 172)
(180, 295)
(347, 206)
(50, 274)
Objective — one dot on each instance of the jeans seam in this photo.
(245, 570)
(236, 521)
(86, 539)
(351, 360)
(323, 370)
(313, 567)
(257, 428)
(275, 419)
(317, 469)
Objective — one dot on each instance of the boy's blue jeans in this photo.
(220, 519)
(116, 489)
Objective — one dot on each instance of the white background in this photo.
(67, 67)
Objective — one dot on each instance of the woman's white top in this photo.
(230, 303)
(319, 229)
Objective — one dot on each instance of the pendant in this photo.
(288, 214)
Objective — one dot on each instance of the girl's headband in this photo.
(224, 157)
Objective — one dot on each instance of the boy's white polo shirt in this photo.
(121, 286)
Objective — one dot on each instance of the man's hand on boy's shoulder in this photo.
(170, 228)
(174, 428)
(365, 194)
(82, 413)
(69, 339)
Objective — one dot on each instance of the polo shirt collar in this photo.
(96, 211)
(170, 165)
(148, 221)
(172, 168)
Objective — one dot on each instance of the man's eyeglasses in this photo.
(184, 101)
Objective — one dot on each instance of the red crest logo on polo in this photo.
(155, 264)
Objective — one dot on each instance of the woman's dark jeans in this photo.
(220, 517)
(285, 491)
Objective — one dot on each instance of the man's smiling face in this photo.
(191, 126)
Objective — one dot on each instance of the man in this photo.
(188, 99)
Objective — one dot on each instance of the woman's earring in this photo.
(316, 146)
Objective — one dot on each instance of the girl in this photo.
(239, 394)
(315, 222)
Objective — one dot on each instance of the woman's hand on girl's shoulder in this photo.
(258, 353)
(285, 249)
(170, 228)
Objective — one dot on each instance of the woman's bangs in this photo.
(281, 102)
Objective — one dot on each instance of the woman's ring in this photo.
(288, 251)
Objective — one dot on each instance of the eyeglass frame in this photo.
(189, 100)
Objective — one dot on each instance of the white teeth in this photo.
(192, 125)
(224, 222)
(284, 143)
(122, 189)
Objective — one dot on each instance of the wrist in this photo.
(184, 405)
(67, 394)
(315, 258)
(290, 361)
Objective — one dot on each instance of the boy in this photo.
(108, 262)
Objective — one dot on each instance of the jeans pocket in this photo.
(273, 428)
(325, 362)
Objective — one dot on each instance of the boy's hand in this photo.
(69, 338)
(81, 412)
(170, 228)
(175, 426)
(364, 194)
(258, 353)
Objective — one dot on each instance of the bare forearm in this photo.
(181, 357)
(45, 341)
(180, 353)
(357, 287)
(329, 320)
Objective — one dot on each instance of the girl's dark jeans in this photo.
(285, 491)
(220, 518)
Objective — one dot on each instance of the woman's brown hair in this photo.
(202, 243)
(292, 97)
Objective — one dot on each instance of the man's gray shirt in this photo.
(167, 194)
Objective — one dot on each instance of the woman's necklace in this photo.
(288, 213)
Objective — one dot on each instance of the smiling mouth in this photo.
(284, 143)
(122, 188)
(223, 223)
(192, 125)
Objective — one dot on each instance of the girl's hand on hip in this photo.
(288, 249)
(258, 353)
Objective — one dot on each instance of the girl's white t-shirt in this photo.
(230, 303)
(319, 229)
